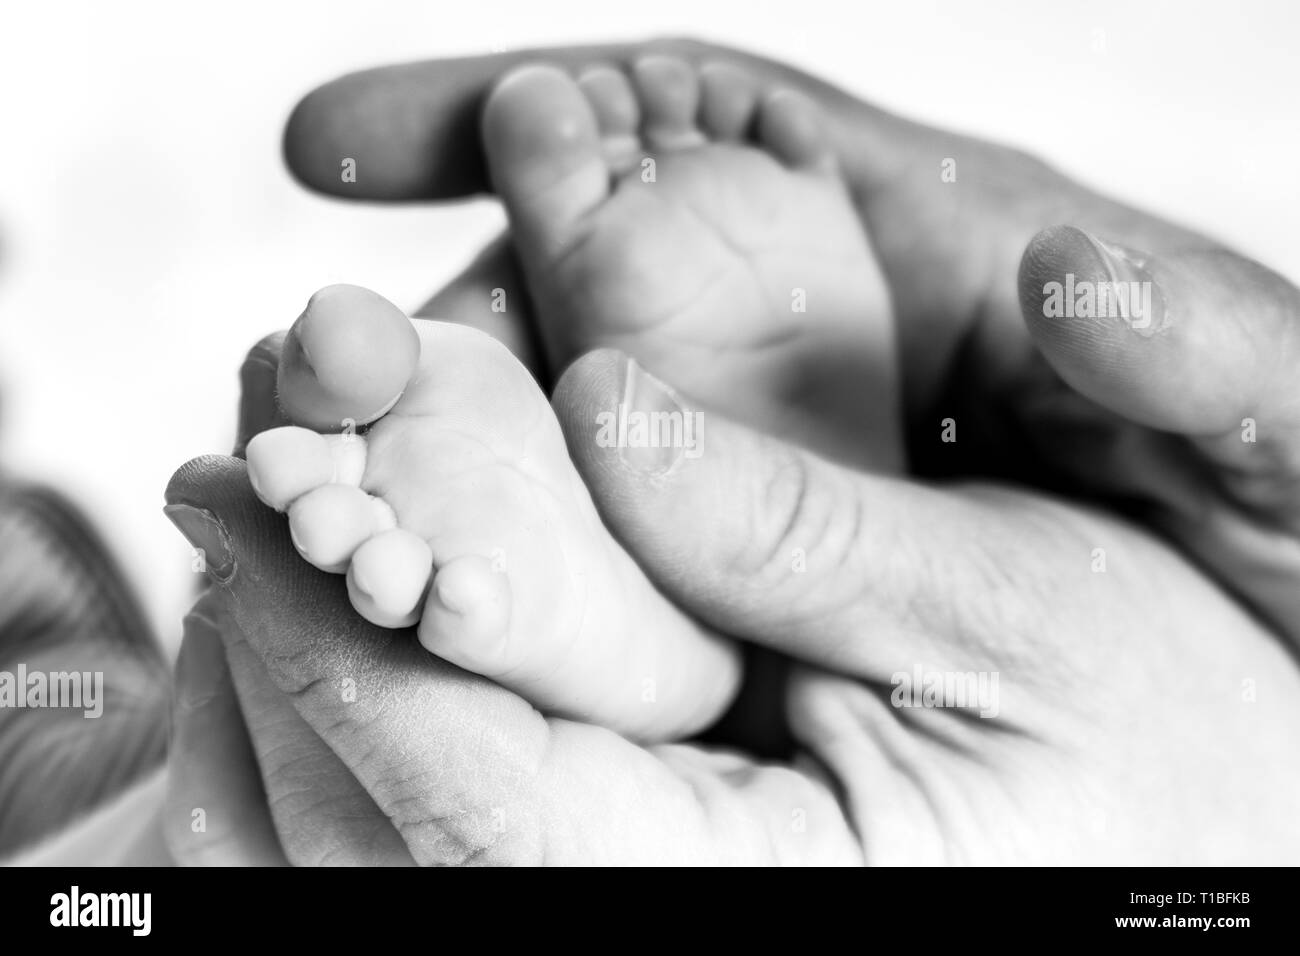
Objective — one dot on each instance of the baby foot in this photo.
(698, 222)
(460, 509)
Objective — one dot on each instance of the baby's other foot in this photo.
(697, 221)
(459, 508)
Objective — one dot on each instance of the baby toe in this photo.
(287, 462)
(618, 115)
(669, 91)
(793, 129)
(728, 101)
(329, 523)
(389, 576)
(467, 616)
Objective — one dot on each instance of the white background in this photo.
(149, 233)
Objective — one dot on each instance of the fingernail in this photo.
(650, 424)
(1133, 295)
(202, 530)
(200, 667)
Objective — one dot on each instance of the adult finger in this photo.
(215, 811)
(249, 782)
(323, 816)
(465, 770)
(412, 130)
(1189, 341)
(1203, 343)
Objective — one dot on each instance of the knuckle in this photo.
(294, 673)
(786, 515)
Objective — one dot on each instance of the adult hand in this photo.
(249, 782)
(1155, 419)
(990, 355)
(1136, 714)
(483, 778)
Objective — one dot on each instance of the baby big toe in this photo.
(544, 153)
(346, 360)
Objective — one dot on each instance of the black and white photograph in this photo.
(582, 434)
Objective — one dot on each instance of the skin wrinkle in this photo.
(290, 802)
(770, 852)
(508, 464)
(856, 582)
(937, 726)
(306, 670)
(697, 797)
(714, 794)
(302, 689)
(786, 484)
(809, 763)
(825, 732)
(446, 839)
(711, 794)
(739, 253)
(571, 279)
(465, 836)
(907, 771)
(521, 765)
(280, 755)
(1007, 597)
(277, 777)
(852, 545)
(742, 255)
(460, 826)
(295, 809)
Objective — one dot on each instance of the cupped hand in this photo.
(1189, 419)
(1151, 723)
(1121, 706)
(1118, 706)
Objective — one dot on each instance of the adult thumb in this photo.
(861, 574)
